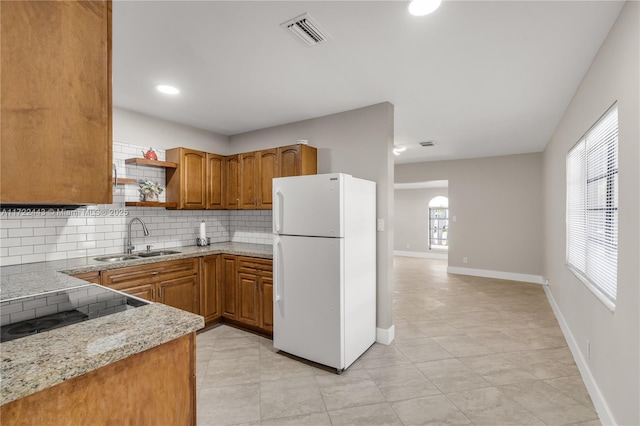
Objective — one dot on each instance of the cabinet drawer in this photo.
(255, 266)
(123, 278)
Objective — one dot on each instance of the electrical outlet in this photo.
(588, 349)
(465, 259)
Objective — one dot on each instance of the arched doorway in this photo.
(439, 223)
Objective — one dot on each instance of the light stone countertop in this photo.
(40, 361)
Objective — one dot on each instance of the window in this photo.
(438, 223)
(592, 207)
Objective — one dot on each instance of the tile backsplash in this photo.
(102, 229)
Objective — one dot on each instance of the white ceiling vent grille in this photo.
(428, 143)
(305, 30)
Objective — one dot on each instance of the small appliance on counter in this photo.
(324, 262)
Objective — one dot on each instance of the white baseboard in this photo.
(536, 279)
(421, 254)
(385, 336)
(600, 404)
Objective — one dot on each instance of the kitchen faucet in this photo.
(130, 246)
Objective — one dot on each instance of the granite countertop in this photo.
(30, 278)
(40, 361)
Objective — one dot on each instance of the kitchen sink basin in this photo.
(156, 253)
(117, 258)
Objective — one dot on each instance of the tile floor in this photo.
(468, 350)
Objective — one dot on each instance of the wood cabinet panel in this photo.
(268, 168)
(180, 293)
(187, 184)
(230, 177)
(248, 303)
(92, 277)
(229, 287)
(215, 182)
(56, 102)
(145, 291)
(210, 279)
(248, 170)
(297, 160)
(154, 387)
(266, 304)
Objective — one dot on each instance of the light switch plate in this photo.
(380, 226)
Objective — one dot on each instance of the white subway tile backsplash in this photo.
(20, 232)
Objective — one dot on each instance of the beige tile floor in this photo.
(468, 350)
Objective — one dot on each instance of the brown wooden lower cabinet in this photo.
(174, 283)
(92, 277)
(210, 277)
(154, 387)
(218, 287)
(255, 292)
(229, 286)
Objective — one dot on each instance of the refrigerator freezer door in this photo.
(308, 313)
(309, 205)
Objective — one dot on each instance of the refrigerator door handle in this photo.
(276, 270)
(277, 207)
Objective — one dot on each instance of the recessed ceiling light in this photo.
(423, 7)
(398, 149)
(169, 90)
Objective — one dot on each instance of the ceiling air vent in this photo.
(428, 143)
(305, 30)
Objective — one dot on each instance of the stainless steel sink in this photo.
(140, 255)
(156, 253)
(117, 258)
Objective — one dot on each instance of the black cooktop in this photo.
(25, 316)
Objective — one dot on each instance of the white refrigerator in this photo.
(324, 267)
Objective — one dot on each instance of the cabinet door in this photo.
(180, 293)
(210, 300)
(247, 180)
(266, 303)
(146, 291)
(229, 287)
(215, 183)
(194, 177)
(230, 177)
(267, 170)
(248, 301)
(56, 102)
(297, 160)
(92, 277)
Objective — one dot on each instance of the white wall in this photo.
(358, 143)
(497, 202)
(411, 217)
(132, 127)
(613, 371)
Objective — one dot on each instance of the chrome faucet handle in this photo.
(149, 247)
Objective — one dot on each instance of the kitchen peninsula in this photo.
(133, 366)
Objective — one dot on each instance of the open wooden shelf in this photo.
(126, 181)
(150, 204)
(152, 163)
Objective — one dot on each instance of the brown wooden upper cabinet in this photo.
(56, 102)
(230, 186)
(187, 184)
(241, 181)
(215, 182)
(297, 160)
(257, 169)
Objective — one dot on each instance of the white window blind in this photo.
(592, 206)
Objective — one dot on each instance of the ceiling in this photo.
(480, 78)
